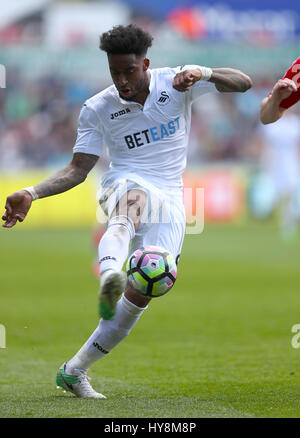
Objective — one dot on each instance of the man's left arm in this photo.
(225, 79)
(230, 80)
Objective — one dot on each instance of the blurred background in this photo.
(50, 51)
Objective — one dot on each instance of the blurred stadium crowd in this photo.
(38, 121)
(38, 113)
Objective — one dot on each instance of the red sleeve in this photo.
(293, 73)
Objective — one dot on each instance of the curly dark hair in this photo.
(129, 39)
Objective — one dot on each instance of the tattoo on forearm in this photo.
(68, 177)
(61, 181)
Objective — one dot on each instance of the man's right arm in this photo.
(68, 177)
(18, 204)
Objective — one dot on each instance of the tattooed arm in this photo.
(68, 177)
(18, 204)
(225, 80)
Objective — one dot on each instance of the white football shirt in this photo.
(149, 141)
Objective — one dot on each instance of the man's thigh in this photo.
(132, 205)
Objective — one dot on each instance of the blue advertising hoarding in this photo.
(229, 18)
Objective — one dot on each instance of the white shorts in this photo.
(163, 219)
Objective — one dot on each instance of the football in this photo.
(151, 271)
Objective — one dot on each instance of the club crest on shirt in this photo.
(164, 98)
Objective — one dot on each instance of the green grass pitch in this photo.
(217, 345)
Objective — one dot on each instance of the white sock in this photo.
(114, 245)
(107, 335)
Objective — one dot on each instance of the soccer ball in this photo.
(151, 271)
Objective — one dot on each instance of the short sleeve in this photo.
(89, 133)
(200, 87)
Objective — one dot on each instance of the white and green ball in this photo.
(151, 271)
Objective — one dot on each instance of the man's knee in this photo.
(132, 205)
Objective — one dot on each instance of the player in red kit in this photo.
(281, 141)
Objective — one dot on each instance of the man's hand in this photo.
(225, 80)
(270, 109)
(283, 88)
(17, 206)
(184, 80)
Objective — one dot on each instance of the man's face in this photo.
(129, 74)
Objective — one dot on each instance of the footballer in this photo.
(281, 140)
(144, 120)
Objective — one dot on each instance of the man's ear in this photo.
(146, 64)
